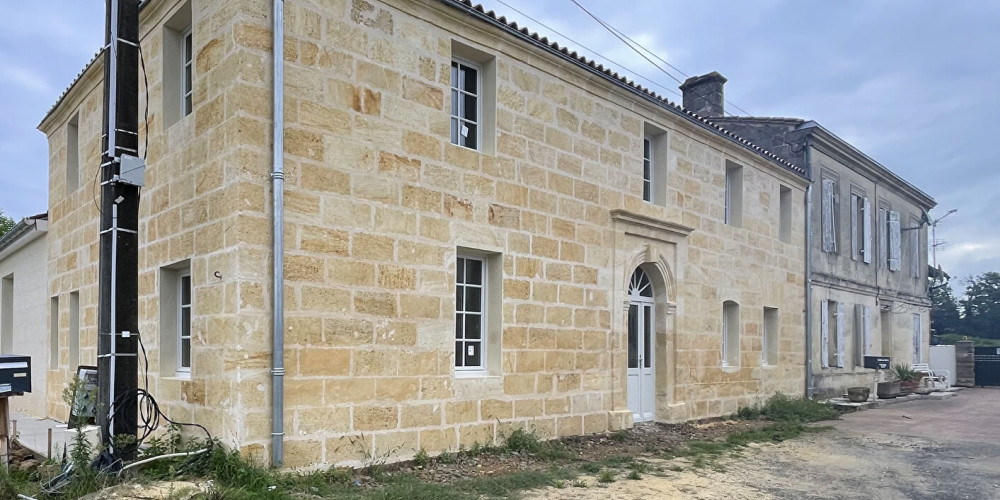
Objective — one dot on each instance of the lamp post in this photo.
(934, 243)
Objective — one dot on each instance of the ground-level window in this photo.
(176, 320)
(470, 313)
(184, 322)
(730, 333)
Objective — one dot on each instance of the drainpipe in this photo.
(808, 311)
(278, 251)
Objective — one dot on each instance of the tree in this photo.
(6, 223)
(944, 308)
(981, 306)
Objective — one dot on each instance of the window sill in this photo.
(473, 374)
(768, 366)
(730, 369)
(179, 377)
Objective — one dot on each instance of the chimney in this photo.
(703, 94)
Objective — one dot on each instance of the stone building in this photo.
(482, 231)
(868, 256)
(23, 298)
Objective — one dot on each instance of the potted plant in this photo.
(908, 379)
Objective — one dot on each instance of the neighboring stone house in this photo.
(482, 232)
(868, 253)
(23, 297)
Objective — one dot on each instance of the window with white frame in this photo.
(730, 333)
(734, 194)
(178, 66)
(647, 169)
(184, 322)
(861, 228)
(186, 83)
(470, 313)
(465, 103)
(769, 346)
(176, 313)
(831, 328)
(862, 334)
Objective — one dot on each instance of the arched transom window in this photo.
(640, 285)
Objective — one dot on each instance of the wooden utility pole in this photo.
(117, 316)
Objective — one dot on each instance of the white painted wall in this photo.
(29, 266)
(943, 358)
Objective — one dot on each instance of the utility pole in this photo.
(934, 241)
(117, 316)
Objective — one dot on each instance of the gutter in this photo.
(278, 250)
(24, 232)
(808, 236)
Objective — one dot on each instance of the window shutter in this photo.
(841, 317)
(917, 339)
(859, 335)
(824, 333)
(893, 241)
(829, 232)
(915, 251)
(854, 227)
(866, 231)
(866, 325)
(883, 238)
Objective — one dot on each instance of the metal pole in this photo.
(278, 249)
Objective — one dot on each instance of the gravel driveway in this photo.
(947, 449)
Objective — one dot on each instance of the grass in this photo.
(237, 477)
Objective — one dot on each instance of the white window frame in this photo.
(828, 193)
(478, 122)
(861, 228)
(187, 73)
(647, 169)
(894, 232)
(181, 306)
(483, 315)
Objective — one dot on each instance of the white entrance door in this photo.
(641, 378)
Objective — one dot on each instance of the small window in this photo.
(7, 314)
(188, 75)
(178, 66)
(647, 169)
(74, 331)
(862, 334)
(769, 348)
(730, 333)
(785, 214)
(470, 313)
(465, 103)
(176, 313)
(73, 154)
(184, 322)
(54, 333)
(829, 214)
(734, 194)
(861, 228)
(654, 164)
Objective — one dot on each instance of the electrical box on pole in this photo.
(117, 316)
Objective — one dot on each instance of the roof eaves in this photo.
(477, 10)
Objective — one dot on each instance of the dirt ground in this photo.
(948, 449)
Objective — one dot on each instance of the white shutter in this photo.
(829, 231)
(866, 231)
(859, 337)
(917, 339)
(841, 318)
(824, 334)
(883, 238)
(866, 328)
(854, 227)
(915, 251)
(894, 241)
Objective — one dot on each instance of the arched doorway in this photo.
(641, 376)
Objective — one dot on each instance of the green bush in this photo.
(782, 408)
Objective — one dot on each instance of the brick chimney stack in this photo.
(703, 94)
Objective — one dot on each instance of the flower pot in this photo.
(858, 394)
(887, 390)
(908, 386)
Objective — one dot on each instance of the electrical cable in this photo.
(145, 83)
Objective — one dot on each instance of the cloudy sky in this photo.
(913, 83)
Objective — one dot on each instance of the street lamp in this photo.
(934, 243)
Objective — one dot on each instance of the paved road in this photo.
(920, 450)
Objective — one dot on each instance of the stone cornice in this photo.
(645, 221)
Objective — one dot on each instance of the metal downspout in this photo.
(809, 237)
(278, 250)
